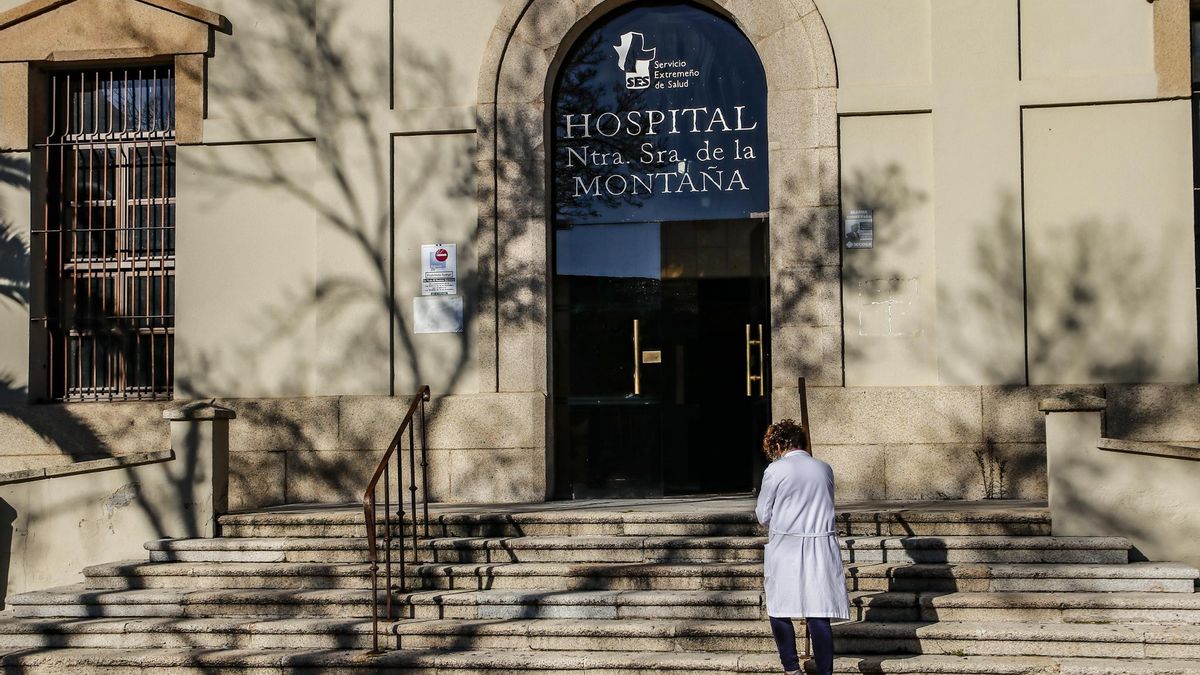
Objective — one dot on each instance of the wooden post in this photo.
(809, 447)
(804, 416)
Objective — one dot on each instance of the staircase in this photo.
(671, 586)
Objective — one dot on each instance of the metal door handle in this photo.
(637, 361)
(751, 378)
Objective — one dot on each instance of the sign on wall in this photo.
(438, 314)
(439, 269)
(860, 229)
(660, 115)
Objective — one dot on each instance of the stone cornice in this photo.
(37, 7)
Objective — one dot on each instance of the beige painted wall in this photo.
(1086, 39)
(245, 269)
(437, 60)
(1151, 500)
(1109, 233)
(435, 203)
(890, 291)
(977, 180)
(15, 214)
(272, 80)
(976, 65)
(50, 529)
(898, 33)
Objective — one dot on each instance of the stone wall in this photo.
(481, 448)
(929, 442)
(37, 436)
(884, 442)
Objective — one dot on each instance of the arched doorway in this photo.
(660, 256)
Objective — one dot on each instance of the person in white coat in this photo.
(802, 563)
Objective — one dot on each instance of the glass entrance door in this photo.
(659, 183)
(662, 356)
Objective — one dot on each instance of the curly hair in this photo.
(783, 437)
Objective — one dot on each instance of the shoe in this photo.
(793, 672)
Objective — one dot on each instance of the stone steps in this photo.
(1139, 641)
(79, 601)
(658, 587)
(434, 662)
(187, 633)
(625, 549)
(1142, 577)
(348, 522)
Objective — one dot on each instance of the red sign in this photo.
(441, 255)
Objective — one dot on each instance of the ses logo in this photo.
(634, 60)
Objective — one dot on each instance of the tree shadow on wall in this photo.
(14, 264)
(312, 84)
(1091, 317)
(312, 76)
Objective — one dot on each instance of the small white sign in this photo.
(860, 229)
(439, 269)
(438, 314)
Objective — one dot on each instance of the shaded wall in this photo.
(1148, 492)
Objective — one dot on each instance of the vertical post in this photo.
(804, 415)
(412, 486)
(424, 465)
(200, 441)
(375, 572)
(399, 513)
(387, 542)
(803, 386)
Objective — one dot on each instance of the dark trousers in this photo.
(822, 643)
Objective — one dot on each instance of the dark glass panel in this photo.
(1195, 52)
(659, 114)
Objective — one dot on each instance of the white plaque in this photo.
(438, 314)
(439, 269)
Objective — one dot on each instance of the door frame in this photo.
(520, 66)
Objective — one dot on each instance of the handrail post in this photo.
(412, 486)
(373, 557)
(803, 386)
(370, 512)
(424, 466)
(387, 540)
(400, 518)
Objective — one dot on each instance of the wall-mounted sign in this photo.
(438, 314)
(439, 269)
(660, 115)
(860, 229)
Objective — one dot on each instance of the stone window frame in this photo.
(520, 65)
(42, 36)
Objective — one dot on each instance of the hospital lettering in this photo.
(655, 122)
(661, 182)
(630, 153)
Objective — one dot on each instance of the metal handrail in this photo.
(370, 504)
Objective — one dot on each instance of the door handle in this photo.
(637, 361)
(751, 378)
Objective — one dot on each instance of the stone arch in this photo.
(516, 78)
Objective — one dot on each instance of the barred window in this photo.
(109, 234)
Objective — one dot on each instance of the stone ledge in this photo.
(1077, 402)
(91, 466)
(198, 411)
(1178, 451)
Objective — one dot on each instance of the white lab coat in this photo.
(803, 563)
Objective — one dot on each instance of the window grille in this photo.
(108, 239)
